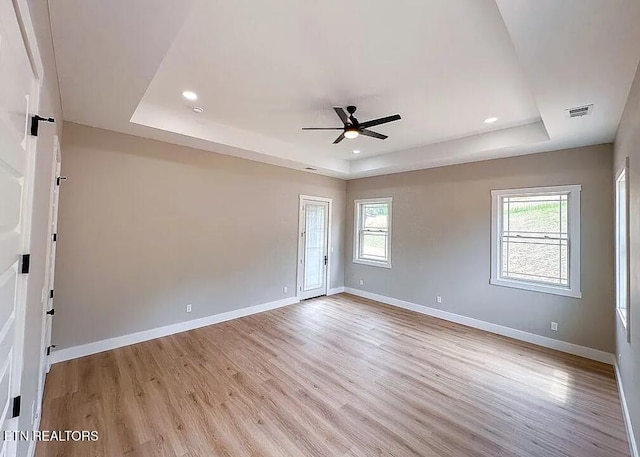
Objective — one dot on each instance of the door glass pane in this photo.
(315, 219)
(621, 245)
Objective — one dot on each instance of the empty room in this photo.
(320, 229)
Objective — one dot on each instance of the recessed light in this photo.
(189, 95)
(197, 110)
(490, 120)
(356, 151)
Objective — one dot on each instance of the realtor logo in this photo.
(51, 435)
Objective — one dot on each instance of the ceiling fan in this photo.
(353, 128)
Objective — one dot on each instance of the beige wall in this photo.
(147, 227)
(441, 243)
(627, 144)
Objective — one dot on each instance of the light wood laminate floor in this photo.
(337, 376)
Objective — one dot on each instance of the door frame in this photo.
(301, 225)
(45, 336)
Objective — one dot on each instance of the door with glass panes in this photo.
(313, 258)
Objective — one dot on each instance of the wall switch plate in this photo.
(554, 326)
(439, 299)
(285, 289)
(362, 282)
(188, 308)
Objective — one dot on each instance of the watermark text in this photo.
(51, 435)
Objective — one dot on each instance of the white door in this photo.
(313, 257)
(47, 292)
(18, 101)
(49, 309)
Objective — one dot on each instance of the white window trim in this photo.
(356, 229)
(624, 172)
(573, 290)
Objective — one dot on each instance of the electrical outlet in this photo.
(554, 326)
(362, 282)
(285, 289)
(188, 308)
(439, 299)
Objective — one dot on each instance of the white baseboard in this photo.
(335, 290)
(146, 335)
(633, 446)
(544, 341)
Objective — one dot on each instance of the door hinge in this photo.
(49, 349)
(59, 179)
(35, 120)
(15, 409)
(51, 312)
(326, 259)
(24, 267)
(54, 237)
(51, 293)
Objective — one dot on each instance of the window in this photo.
(622, 247)
(372, 238)
(536, 239)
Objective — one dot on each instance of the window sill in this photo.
(545, 289)
(373, 263)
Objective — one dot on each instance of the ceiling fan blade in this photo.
(380, 136)
(382, 120)
(322, 128)
(341, 114)
(339, 139)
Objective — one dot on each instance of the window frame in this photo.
(624, 318)
(358, 204)
(573, 289)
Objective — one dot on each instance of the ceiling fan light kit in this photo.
(350, 134)
(352, 128)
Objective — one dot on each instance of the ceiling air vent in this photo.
(580, 111)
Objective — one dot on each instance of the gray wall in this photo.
(441, 243)
(627, 144)
(147, 227)
(50, 106)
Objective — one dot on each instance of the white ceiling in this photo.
(263, 70)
